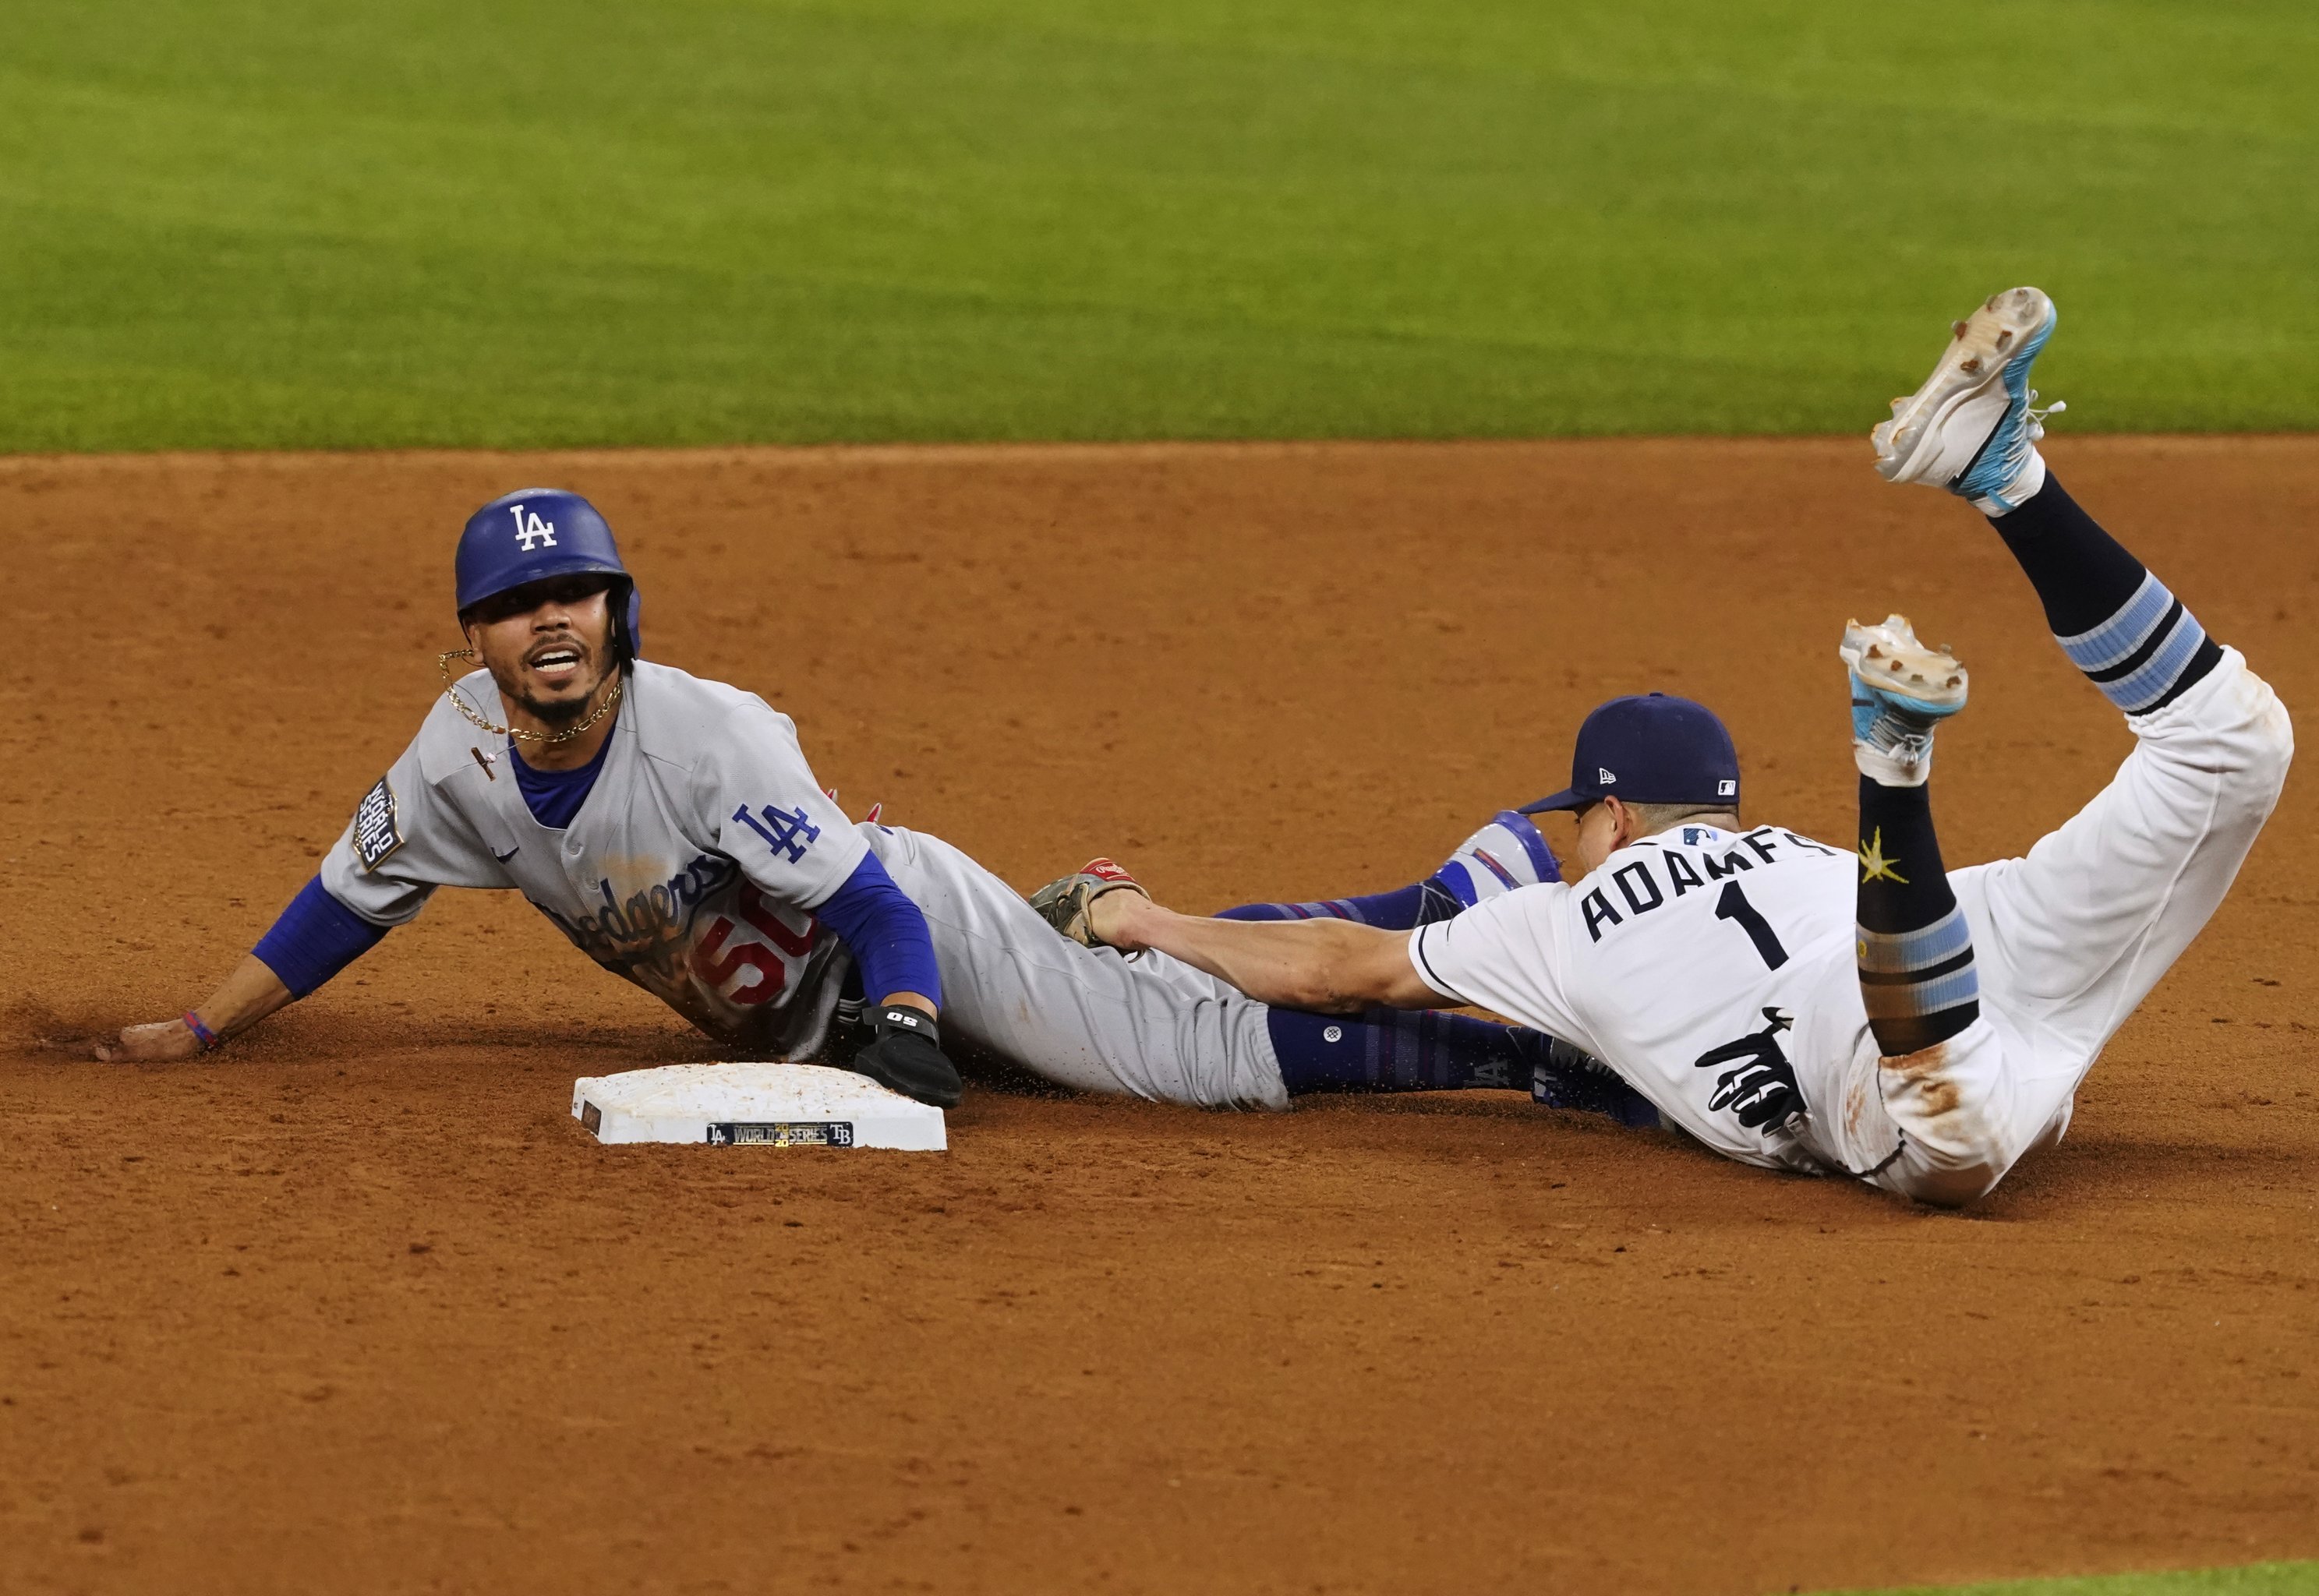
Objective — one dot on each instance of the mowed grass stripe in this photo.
(2259, 1578)
(288, 224)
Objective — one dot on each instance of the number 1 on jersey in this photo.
(1734, 906)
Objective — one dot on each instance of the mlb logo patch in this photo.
(1727, 789)
(376, 835)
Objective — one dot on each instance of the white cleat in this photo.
(1901, 691)
(1970, 428)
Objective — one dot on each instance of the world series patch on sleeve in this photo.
(376, 833)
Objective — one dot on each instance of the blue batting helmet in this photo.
(536, 533)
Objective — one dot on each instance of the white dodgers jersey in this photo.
(1713, 969)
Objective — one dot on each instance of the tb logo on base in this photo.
(535, 533)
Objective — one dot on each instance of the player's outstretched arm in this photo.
(246, 997)
(1325, 966)
(314, 938)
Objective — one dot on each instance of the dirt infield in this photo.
(359, 1308)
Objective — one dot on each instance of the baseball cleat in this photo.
(1971, 428)
(1064, 903)
(1901, 691)
(1571, 1077)
(1506, 853)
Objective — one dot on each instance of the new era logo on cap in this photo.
(1604, 778)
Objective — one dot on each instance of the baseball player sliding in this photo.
(670, 828)
(1860, 1010)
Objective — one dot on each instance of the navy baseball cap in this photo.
(1648, 748)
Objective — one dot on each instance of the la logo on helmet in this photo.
(535, 532)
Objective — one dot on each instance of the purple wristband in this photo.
(201, 1034)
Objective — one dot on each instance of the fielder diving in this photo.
(670, 828)
(1856, 1011)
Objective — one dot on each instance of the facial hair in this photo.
(556, 713)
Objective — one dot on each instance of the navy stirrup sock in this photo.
(1402, 909)
(1387, 1050)
(1503, 855)
(1391, 1050)
(1916, 975)
(2116, 622)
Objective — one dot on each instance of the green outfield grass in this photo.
(288, 222)
(2261, 1579)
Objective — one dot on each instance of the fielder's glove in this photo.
(1064, 904)
(904, 1054)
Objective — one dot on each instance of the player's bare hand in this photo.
(1115, 916)
(160, 1041)
(247, 996)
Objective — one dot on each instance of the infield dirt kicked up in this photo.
(357, 1306)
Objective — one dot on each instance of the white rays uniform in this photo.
(1693, 956)
(693, 870)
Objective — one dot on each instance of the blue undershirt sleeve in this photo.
(316, 937)
(886, 932)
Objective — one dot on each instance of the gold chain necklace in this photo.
(451, 691)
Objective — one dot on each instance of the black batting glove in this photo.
(1761, 1088)
(904, 1054)
(1762, 1095)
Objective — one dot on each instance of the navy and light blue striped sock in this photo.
(2147, 654)
(1916, 975)
(2116, 622)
